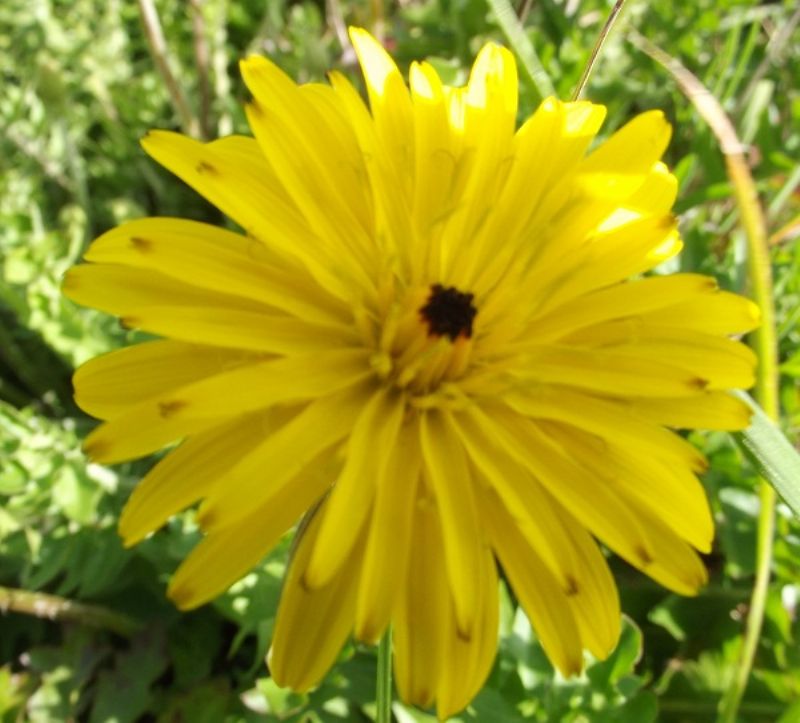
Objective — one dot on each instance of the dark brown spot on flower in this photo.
(69, 282)
(96, 449)
(571, 588)
(170, 409)
(206, 167)
(449, 312)
(142, 245)
(644, 556)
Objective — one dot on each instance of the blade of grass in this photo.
(763, 339)
(598, 46)
(201, 61)
(158, 49)
(787, 232)
(772, 454)
(523, 48)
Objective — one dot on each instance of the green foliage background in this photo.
(79, 88)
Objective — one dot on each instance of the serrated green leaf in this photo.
(774, 456)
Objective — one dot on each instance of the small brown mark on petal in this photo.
(130, 322)
(181, 596)
(699, 383)
(255, 109)
(142, 245)
(572, 587)
(644, 556)
(69, 282)
(96, 449)
(171, 408)
(669, 221)
(206, 167)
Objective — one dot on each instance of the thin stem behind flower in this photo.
(158, 49)
(598, 46)
(54, 607)
(764, 340)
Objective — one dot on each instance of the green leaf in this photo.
(774, 456)
(622, 660)
(523, 47)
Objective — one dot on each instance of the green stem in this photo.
(54, 607)
(763, 340)
(158, 49)
(384, 679)
(598, 46)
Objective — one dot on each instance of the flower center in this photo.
(449, 312)
(426, 340)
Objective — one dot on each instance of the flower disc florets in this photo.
(449, 312)
(437, 331)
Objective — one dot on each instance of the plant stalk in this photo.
(383, 692)
(763, 340)
(598, 46)
(54, 607)
(160, 53)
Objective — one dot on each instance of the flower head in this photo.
(434, 332)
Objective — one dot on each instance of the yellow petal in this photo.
(724, 363)
(389, 100)
(310, 145)
(658, 192)
(386, 552)
(631, 532)
(542, 598)
(225, 555)
(608, 420)
(563, 546)
(282, 454)
(718, 313)
(369, 448)
(670, 492)
(437, 165)
(608, 372)
(458, 684)
(617, 169)
(612, 255)
(188, 473)
(391, 186)
(118, 289)
(216, 260)
(450, 478)
(151, 424)
(595, 604)
(312, 625)
(233, 174)
(266, 383)
(109, 384)
(238, 329)
(631, 299)
(711, 410)
(420, 624)
(552, 141)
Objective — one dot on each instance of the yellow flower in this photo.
(433, 332)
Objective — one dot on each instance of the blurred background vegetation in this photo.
(85, 631)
